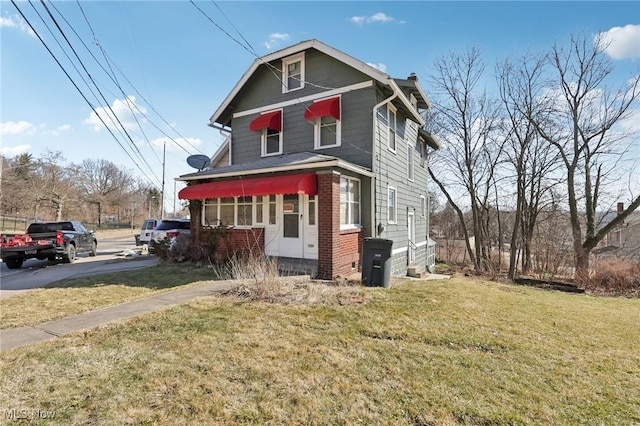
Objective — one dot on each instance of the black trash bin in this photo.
(376, 262)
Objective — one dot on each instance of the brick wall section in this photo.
(328, 224)
(240, 241)
(337, 250)
(349, 257)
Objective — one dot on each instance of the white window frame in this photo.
(285, 72)
(236, 211)
(263, 140)
(317, 133)
(411, 172)
(259, 219)
(423, 206)
(392, 127)
(214, 203)
(393, 219)
(351, 203)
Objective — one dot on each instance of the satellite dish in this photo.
(198, 161)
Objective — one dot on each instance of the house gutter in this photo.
(374, 225)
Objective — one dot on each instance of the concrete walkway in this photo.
(23, 336)
(16, 337)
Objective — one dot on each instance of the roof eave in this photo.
(291, 167)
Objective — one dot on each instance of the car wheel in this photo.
(94, 249)
(14, 263)
(71, 254)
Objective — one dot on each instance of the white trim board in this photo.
(327, 94)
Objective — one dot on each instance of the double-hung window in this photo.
(349, 202)
(244, 211)
(293, 73)
(269, 124)
(392, 206)
(271, 142)
(325, 114)
(219, 211)
(391, 138)
(410, 171)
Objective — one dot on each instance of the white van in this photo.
(145, 231)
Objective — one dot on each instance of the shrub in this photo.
(616, 277)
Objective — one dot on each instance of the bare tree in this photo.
(466, 119)
(101, 182)
(521, 86)
(581, 124)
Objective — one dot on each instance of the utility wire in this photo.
(72, 81)
(114, 79)
(132, 143)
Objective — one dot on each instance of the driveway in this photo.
(110, 258)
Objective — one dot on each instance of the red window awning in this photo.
(323, 108)
(290, 184)
(271, 120)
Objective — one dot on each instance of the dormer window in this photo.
(293, 73)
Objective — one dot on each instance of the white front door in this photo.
(411, 225)
(291, 226)
(291, 233)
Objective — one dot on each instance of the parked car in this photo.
(145, 231)
(168, 229)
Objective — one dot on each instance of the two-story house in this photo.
(323, 150)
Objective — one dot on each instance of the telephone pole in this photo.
(164, 149)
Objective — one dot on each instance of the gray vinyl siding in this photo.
(264, 89)
(392, 170)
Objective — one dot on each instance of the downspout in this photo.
(374, 226)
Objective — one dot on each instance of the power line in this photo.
(71, 79)
(132, 143)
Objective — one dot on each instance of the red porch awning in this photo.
(271, 120)
(290, 184)
(323, 108)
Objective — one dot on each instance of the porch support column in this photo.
(328, 223)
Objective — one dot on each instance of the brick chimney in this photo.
(620, 208)
(413, 77)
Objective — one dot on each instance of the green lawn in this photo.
(78, 295)
(458, 351)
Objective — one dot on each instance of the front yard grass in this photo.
(78, 295)
(456, 351)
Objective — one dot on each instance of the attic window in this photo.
(293, 73)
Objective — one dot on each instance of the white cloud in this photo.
(126, 110)
(15, 127)
(374, 19)
(12, 151)
(379, 67)
(16, 22)
(622, 42)
(275, 39)
(61, 129)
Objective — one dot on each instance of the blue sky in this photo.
(179, 65)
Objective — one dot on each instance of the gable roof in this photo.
(368, 70)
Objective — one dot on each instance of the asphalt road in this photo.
(38, 273)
